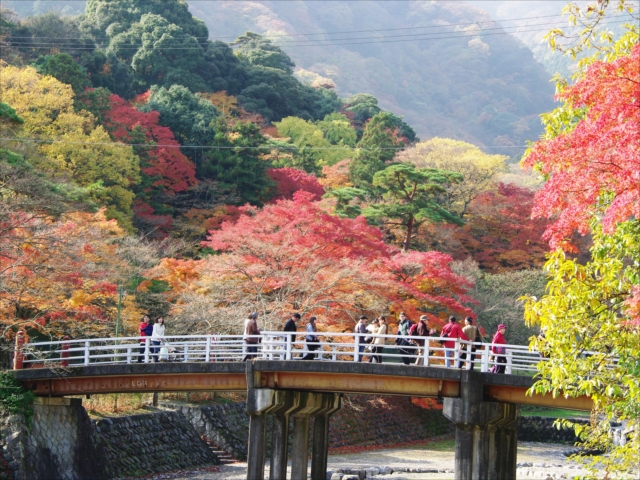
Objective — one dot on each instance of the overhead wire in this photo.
(217, 147)
(372, 40)
(347, 31)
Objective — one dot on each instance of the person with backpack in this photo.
(421, 330)
(157, 337)
(313, 343)
(498, 351)
(404, 326)
(452, 330)
(360, 330)
(144, 330)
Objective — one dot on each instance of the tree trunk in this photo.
(407, 241)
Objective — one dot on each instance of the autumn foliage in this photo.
(293, 255)
(290, 180)
(161, 160)
(595, 165)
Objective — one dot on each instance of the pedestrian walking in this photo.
(291, 326)
(313, 343)
(421, 331)
(251, 336)
(499, 351)
(144, 330)
(157, 337)
(379, 342)
(360, 330)
(473, 334)
(405, 349)
(452, 331)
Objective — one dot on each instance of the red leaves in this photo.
(599, 157)
(293, 253)
(291, 180)
(163, 160)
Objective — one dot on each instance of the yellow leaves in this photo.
(38, 100)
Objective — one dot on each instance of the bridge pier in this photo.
(283, 405)
(486, 433)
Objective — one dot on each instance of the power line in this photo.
(299, 44)
(546, 24)
(217, 147)
(340, 32)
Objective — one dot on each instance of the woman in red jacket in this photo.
(452, 330)
(499, 351)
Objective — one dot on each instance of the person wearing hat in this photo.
(498, 351)
(360, 330)
(452, 330)
(473, 334)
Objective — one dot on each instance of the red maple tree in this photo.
(593, 167)
(290, 180)
(159, 152)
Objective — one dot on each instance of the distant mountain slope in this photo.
(487, 89)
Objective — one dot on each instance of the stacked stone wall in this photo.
(542, 429)
(59, 443)
(152, 443)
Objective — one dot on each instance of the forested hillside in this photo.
(487, 89)
(474, 84)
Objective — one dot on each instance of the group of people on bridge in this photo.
(373, 338)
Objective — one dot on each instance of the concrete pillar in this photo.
(257, 445)
(486, 433)
(300, 449)
(320, 451)
(279, 447)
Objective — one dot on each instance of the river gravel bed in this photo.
(535, 460)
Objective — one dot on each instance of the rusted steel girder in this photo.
(139, 383)
(518, 395)
(360, 383)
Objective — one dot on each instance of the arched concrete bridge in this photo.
(483, 406)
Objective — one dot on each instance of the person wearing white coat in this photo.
(157, 337)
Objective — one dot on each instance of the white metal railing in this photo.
(332, 347)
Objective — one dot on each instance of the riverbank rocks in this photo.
(542, 429)
(151, 443)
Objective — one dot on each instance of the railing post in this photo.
(128, 354)
(427, 346)
(146, 349)
(356, 347)
(186, 353)
(470, 356)
(456, 353)
(64, 354)
(485, 358)
(18, 354)
(334, 354)
(86, 352)
(509, 362)
(207, 349)
(288, 347)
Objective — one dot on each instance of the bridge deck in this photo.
(338, 377)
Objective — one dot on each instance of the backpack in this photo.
(413, 331)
